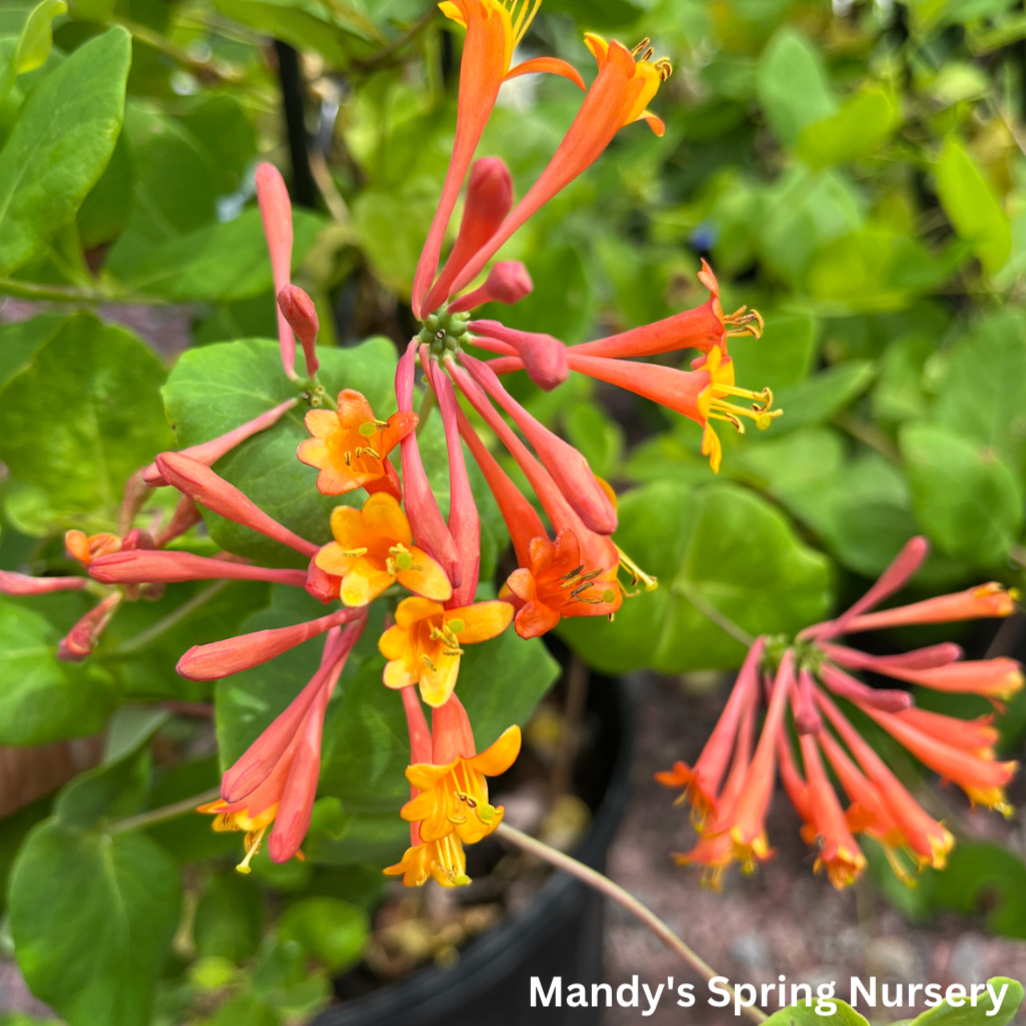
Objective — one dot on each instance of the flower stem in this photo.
(164, 813)
(623, 898)
(427, 404)
(173, 619)
(713, 615)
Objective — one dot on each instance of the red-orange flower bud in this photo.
(299, 310)
(201, 484)
(276, 214)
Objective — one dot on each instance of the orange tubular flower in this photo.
(984, 600)
(868, 812)
(703, 328)
(555, 583)
(453, 794)
(837, 852)
(700, 784)
(715, 849)
(423, 646)
(627, 81)
(350, 447)
(494, 28)
(927, 839)
(997, 679)
(700, 395)
(983, 779)
(540, 604)
(275, 781)
(444, 859)
(977, 736)
(748, 830)
(373, 548)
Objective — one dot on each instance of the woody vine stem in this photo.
(623, 898)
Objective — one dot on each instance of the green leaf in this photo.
(221, 125)
(37, 36)
(785, 358)
(41, 698)
(987, 878)
(83, 416)
(859, 507)
(819, 397)
(229, 918)
(594, 433)
(863, 124)
(329, 930)
(390, 227)
(792, 85)
(106, 793)
(334, 30)
(973, 206)
(562, 298)
(220, 262)
(964, 495)
(105, 214)
(20, 340)
(175, 187)
(981, 393)
(91, 916)
(770, 584)
(804, 1014)
(985, 1010)
(877, 268)
(216, 388)
(60, 145)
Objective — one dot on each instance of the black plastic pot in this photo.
(560, 933)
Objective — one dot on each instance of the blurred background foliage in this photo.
(853, 171)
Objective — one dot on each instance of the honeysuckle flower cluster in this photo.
(730, 786)
(398, 541)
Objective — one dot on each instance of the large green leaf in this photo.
(37, 36)
(792, 85)
(83, 416)
(985, 1010)
(91, 916)
(174, 186)
(216, 388)
(337, 30)
(220, 262)
(41, 698)
(859, 506)
(973, 206)
(862, 125)
(20, 340)
(964, 495)
(60, 145)
(805, 1014)
(720, 544)
(982, 392)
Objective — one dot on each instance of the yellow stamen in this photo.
(744, 322)
(252, 845)
(732, 412)
(637, 574)
(521, 14)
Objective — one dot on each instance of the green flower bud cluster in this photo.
(442, 332)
